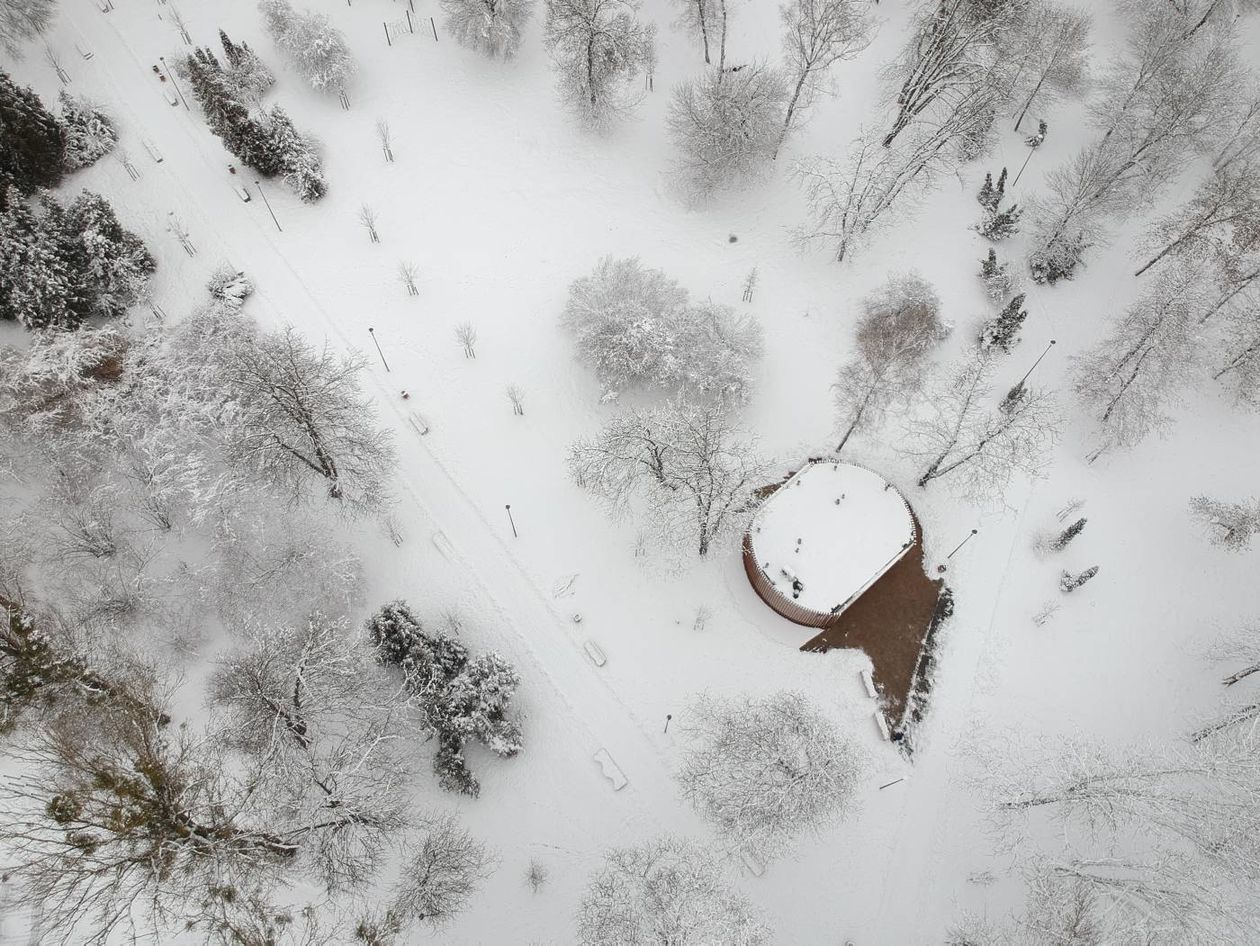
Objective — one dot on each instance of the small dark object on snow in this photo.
(405, 396)
(157, 71)
(732, 239)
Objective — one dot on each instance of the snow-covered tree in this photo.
(89, 133)
(764, 770)
(32, 141)
(1064, 538)
(950, 64)
(301, 414)
(305, 702)
(1220, 223)
(440, 875)
(248, 76)
(1052, 56)
(314, 47)
(816, 35)
(299, 159)
(40, 277)
(114, 263)
(702, 17)
(1229, 525)
(1002, 331)
(687, 462)
(598, 49)
(462, 698)
(726, 126)
(21, 20)
(899, 328)
(979, 446)
(1164, 837)
(1138, 372)
(997, 277)
(665, 891)
(492, 27)
(230, 287)
(1168, 95)
(636, 327)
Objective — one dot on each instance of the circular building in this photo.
(823, 537)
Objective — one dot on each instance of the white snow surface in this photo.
(835, 528)
(501, 202)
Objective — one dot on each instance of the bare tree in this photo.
(517, 398)
(1167, 95)
(598, 48)
(21, 20)
(687, 461)
(1220, 221)
(901, 325)
(726, 126)
(1129, 380)
(385, 137)
(367, 217)
(408, 273)
(466, 335)
(536, 875)
(306, 702)
(699, 16)
(816, 35)
(1164, 837)
(302, 414)
(665, 891)
(950, 60)
(765, 770)
(492, 27)
(978, 445)
(1053, 48)
(1230, 525)
(440, 875)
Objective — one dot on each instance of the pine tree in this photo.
(394, 632)
(32, 141)
(986, 196)
(41, 282)
(115, 263)
(1067, 535)
(1000, 224)
(1001, 186)
(989, 266)
(248, 76)
(298, 159)
(1069, 582)
(1003, 330)
(89, 134)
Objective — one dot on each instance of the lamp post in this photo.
(1015, 393)
(171, 72)
(508, 507)
(940, 569)
(668, 717)
(263, 195)
(372, 332)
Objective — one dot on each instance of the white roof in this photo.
(834, 528)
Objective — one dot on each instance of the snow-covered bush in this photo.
(312, 44)
(766, 769)
(726, 125)
(492, 27)
(229, 286)
(89, 134)
(635, 326)
(666, 891)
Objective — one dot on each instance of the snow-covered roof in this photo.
(832, 529)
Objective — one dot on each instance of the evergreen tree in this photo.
(986, 197)
(41, 284)
(32, 141)
(1000, 224)
(989, 266)
(89, 134)
(1067, 535)
(248, 76)
(1069, 582)
(394, 632)
(1003, 330)
(297, 157)
(115, 263)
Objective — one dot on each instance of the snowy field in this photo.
(501, 200)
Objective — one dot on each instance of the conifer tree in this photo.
(1069, 582)
(40, 281)
(1003, 330)
(89, 134)
(32, 142)
(1000, 224)
(115, 263)
(1067, 535)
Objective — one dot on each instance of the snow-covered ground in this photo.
(501, 201)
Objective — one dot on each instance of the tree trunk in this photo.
(791, 110)
(704, 29)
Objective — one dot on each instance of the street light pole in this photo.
(1015, 393)
(940, 569)
(263, 195)
(372, 332)
(171, 73)
(508, 507)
